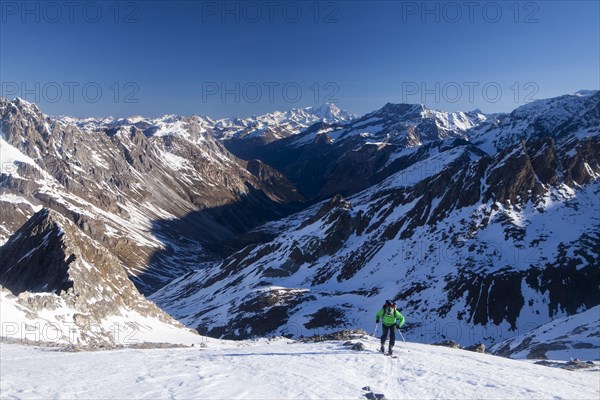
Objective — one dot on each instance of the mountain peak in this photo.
(329, 112)
(585, 93)
(20, 104)
(401, 108)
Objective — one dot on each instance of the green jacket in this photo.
(390, 319)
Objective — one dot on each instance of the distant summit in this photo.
(330, 113)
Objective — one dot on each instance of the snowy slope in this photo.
(577, 336)
(296, 285)
(277, 370)
(21, 320)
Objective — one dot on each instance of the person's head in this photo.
(390, 303)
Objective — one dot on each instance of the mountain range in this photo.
(302, 222)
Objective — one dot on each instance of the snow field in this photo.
(279, 370)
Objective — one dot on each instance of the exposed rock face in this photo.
(42, 257)
(461, 233)
(41, 247)
(53, 267)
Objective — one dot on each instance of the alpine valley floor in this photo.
(277, 369)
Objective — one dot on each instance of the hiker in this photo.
(391, 318)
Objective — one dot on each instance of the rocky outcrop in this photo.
(52, 267)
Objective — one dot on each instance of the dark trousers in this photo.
(392, 331)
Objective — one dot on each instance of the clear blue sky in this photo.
(178, 56)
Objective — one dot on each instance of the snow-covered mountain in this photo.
(469, 239)
(558, 117)
(240, 135)
(244, 136)
(160, 194)
(410, 124)
(346, 157)
(278, 124)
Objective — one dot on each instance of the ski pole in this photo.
(375, 330)
(401, 335)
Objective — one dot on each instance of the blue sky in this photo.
(240, 58)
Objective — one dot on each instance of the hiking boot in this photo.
(382, 349)
(390, 352)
